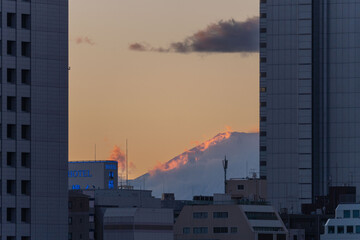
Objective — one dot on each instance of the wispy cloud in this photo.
(221, 37)
(84, 40)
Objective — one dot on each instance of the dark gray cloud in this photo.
(221, 37)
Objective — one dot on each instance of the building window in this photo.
(263, 30)
(10, 187)
(11, 159)
(262, 163)
(263, 119)
(10, 215)
(331, 229)
(263, 89)
(262, 1)
(263, 133)
(356, 213)
(200, 230)
(25, 49)
(349, 229)
(263, 149)
(346, 213)
(25, 187)
(25, 104)
(70, 220)
(70, 236)
(233, 230)
(263, 45)
(263, 15)
(220, 215)
(263, 60)
(11, 131)
(70, 205)
(25, 132)
(111, 175)
(25, 159)
(25, 21)
(261, 215)
(263, 74)
(263, 104)
(11, 20)
(200, 215)
(25, 76)
(111, 184)
(11, 75)
(10, 238)
(240, 187)
(220, 230)
(340, 229)
(357, 229)
(11, 48)
(25, 215)
(186, 230)
(11, 103)
(25, 238)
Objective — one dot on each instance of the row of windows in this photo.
(12, 237)
(341, 229)
(24, 217)
(11, 187)
(204, 230)
(11, 20)
(11, 104)
(355, 214)
(261, 215)
(11, 159)
(11, 132)
(11, 48)
(215, 215)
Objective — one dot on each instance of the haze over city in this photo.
(162, 101)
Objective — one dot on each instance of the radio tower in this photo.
(225, 165)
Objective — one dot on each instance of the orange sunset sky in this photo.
(161, 102)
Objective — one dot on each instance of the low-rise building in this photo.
(79, 225)
(138, 224)
(345, 225)
(225, 220)
(253, 189)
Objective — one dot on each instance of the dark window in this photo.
(263, 45)
(25, 215)
(240, 187)
(356, 213)
(11, 48)
(111, 175)
(11, 75)
(200, 215)
(281, 237)
(11, 131)
(265, 236)
(25, 76)
(349, 229)
(25, 104)
(11, 20)
(263, 134)
(263, 104)
(220, 230)
(220, 215)
(263, 74)
(70, 205)
(262, 1)
(340, 229)
(11, 103)
(70, 236)
(10, 187)
(25, 159)
(10, 238)
(200, 230)
(186, 230)
(25, 132)
(25, 238)
(10, 214)
(25, 49)
(25, 21)
(263, 30)
(263, 60)
(261, 215)
(11, 159)
(25, 187)
(262, 163)
(233, 230)
(263, 15)
(331, 229)
(263, 119)
(70, 220)
(263, 89)
(346, 213)
(262, 148)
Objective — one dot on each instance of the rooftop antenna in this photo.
(127, 161)
(225, 166)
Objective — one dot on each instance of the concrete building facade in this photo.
(34, 119)
(253, 189)
(309, 91)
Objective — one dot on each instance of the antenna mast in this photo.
(225, 166)
(127, 161)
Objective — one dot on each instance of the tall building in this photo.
(34, 119)
(309, 98)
